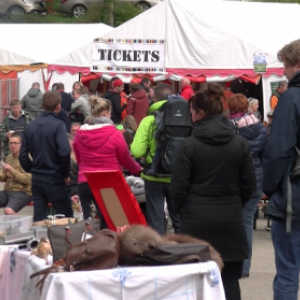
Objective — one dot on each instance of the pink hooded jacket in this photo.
(102, 147)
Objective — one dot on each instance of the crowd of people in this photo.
(229, 161)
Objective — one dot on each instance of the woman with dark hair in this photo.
(212, 179)
(249, 126)
(129, 124)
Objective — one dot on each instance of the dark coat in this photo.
(257, 138)
(46, 140)
(212, 178)
(74, 178)
(62, 115)
(138, 105)
(66, 101)
(280, 154)
(116, 108)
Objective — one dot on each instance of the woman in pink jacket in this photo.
(99, 145)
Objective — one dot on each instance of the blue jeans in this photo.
(56, 194)
(248, 215)
(156, 193)
(287, 260)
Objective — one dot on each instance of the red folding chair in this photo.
(115, 200)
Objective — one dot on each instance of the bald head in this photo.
(184, 81)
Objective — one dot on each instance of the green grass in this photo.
(99, 13)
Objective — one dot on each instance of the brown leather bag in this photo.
(97, 253)
(175, 254)
(63, 236)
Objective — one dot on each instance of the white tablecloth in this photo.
(33, 265)
(191, 281)
(16, 266)
(12, 268)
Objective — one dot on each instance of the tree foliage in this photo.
(109, 12)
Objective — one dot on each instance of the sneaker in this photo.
(268, 228)
(245, 275)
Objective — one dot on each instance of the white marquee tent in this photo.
(216, 40)
(15, 70)
(46, 43)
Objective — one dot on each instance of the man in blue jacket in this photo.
(278, 162)
(46, 141)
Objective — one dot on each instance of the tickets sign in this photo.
(129, 56)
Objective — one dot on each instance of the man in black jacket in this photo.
(114, 97)
(66, 99)
(46, 141)
(278, 162)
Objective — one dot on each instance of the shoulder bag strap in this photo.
(289, 208)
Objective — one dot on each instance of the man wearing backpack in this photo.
(278, 162)
(144, 145)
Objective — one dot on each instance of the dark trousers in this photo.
(156, 193)
(56, 194)
(231, 274)
(87, 198)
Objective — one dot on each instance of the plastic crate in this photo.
(11, 225)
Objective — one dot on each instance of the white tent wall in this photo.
(27, 78)
(66, 78)
(204, 43)
(267, 91)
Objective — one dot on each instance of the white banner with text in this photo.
(128, 56)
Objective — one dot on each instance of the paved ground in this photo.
(259, 285)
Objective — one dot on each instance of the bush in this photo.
(124, 13)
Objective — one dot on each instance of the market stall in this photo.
(204, 40)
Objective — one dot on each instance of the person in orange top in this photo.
(282, 87)
(123, 97)
(123, 101)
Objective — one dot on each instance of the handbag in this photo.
(62, 237)
(175, 254)
(97, 253)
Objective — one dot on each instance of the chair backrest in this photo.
(115, 199)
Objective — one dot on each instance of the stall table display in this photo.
(16, 266)
(12, 269)
(201, 281)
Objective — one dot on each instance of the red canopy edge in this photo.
(223, 72)
(200, 74)
(73, 70)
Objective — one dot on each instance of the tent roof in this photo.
(215, 38)
(10, 61)
(11, 58)
(48, 42)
